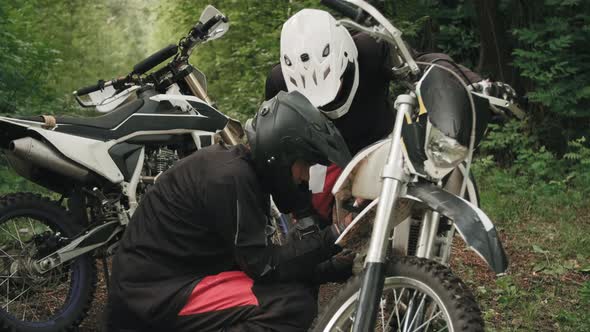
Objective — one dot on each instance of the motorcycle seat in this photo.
(107, 121)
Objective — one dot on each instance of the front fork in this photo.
(232, 132)
(393, 179)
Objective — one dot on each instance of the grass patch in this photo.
(10, 182)
(545, 229)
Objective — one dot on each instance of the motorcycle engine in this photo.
(160, 160)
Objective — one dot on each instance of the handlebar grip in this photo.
(88, 89)
(343, 8)
(155, 59)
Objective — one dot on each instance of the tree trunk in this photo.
(495, 53)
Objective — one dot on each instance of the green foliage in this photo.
(50, 48)
(513, 147)
(457, 35)
(237, 64)
(578, 160)
(554, 54)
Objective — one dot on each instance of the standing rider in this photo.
(196, 254)
(347, 78)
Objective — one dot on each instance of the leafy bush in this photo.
(521, 153)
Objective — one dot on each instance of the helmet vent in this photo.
(304, 57)
(326, 72)
(303, 80)
(287, 61)
(293, 81)
(326, 51)
(315, 80)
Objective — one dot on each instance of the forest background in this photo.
(533, 175)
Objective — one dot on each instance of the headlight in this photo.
(444, 151)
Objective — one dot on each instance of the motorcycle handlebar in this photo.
(344, 8)
(91, 88)
(155, 59)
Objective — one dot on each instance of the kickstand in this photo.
(105, 271)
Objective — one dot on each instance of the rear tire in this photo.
(418, 276)
(55, 307)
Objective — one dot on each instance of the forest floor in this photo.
(544, 290)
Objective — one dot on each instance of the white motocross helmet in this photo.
(320, 60)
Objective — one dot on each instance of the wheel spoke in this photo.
(32, 228)
(9, 234)
(396, 305)
(418, 310)
(22, 246)
(8, 278)
(382, 304)
(6, 255)
(428, 322)
(408, 314)
(18, 296)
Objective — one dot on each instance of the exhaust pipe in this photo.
(38, 153)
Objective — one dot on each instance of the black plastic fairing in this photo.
(414, 135)
(154, 116)
(125, 157)
(449, 108)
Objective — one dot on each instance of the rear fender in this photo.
(11, 129)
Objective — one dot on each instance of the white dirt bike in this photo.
(407, 193)
(100, 166)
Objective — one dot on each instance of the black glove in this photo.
(500, 90)
(336, 269)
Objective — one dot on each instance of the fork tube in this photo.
(200, 92)
(434, 223)
(374, 272)
(424, 235)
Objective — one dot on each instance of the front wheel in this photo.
(418, 295)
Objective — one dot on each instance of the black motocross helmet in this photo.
(285, 129)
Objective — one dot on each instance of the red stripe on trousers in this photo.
(222, 291)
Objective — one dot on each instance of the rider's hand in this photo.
(336, 269)
(498, 89)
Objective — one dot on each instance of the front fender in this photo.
(473, 224)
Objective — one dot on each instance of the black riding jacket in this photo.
(205, 215)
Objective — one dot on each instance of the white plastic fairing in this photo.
(365, 171)
(89, 153)
(181, 101)
(352, 165)
(367, 181)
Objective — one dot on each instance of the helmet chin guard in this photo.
(289, 128)
(316, 52)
